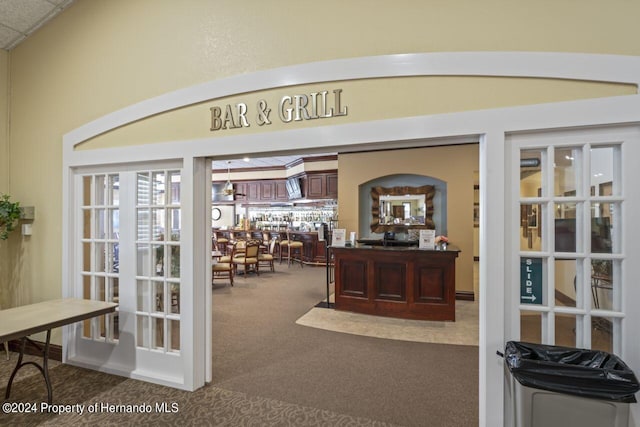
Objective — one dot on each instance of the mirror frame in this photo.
(428, 191)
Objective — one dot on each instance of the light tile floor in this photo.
(464, 331)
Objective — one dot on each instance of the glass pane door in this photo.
(570, 245)
(100, 245)
(158, 261)
(128, 241)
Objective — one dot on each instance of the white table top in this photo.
(29, 319)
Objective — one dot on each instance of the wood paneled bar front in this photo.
(313, 249)
(401, 282)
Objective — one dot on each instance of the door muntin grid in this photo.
(570, 226)
(158, 261)
(99, 246)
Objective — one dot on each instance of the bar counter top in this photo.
(399, 248)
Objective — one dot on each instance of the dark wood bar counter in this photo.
(402, 282)
(313, 249)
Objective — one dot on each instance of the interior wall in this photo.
(433, 161)
(4, 164)
(4, 118)
(100, 56)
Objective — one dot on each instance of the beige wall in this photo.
(101, 55)
(4, 111)
(355, 169)
(4, 164)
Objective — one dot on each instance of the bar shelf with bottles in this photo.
(307, 224)
(294, 218)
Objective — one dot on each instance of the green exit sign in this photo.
(530, 281)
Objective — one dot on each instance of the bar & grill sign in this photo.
(290, 108)
(530, 281)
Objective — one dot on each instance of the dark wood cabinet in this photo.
(281, 190)
(261, 191)
(253, 190)
(332, 185)
(267, 190)
(241, 191)
(315, 185)
(407, 283)
(321, 185)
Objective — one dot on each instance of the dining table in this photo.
(25, 320)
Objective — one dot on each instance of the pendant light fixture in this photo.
(228, 187)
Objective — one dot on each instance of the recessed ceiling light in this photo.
(246, 159)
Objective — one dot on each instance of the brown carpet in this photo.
(269, 371)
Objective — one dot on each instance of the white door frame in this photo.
(490, 126)
(627, 235)
(170, 368)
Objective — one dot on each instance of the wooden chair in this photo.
(222, 267)
(266, 259)
(264, 245)
(248, 258)
(236, 250)
(222, 270)
(220, 242)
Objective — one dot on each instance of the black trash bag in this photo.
(574, 371)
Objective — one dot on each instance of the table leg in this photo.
(44, 369)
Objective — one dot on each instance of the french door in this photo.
(573, 260)
(127, 249)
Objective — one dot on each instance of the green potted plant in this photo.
(9, 215)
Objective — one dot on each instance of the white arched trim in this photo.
(587, 67)
(488, 126)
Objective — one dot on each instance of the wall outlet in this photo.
(26, 229)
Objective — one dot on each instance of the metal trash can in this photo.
(552, 386)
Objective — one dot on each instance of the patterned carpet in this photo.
(270, 371)
(94, 398)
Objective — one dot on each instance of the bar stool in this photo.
(282, 246)
(294, 251)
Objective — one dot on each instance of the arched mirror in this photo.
(397, 209)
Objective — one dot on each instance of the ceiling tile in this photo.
(7, 35)
(22, 15)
